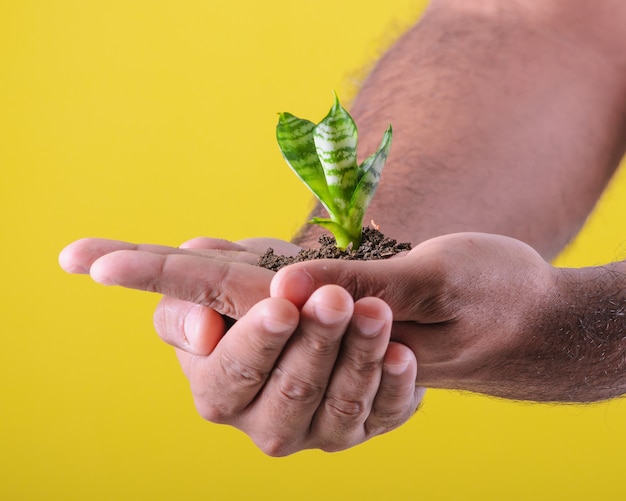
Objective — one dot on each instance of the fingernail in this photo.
(100, 274)
(68, 264)
(72, 267)
(102, 279)
(368, 326)
(296, 285)
(76, 268)
(328, 316)
(276, 321)
(276, 326)
(397, 368)
(191, 324)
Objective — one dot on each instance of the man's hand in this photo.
(481, 313)
(190, 316)
(307, 370)
(325, 377)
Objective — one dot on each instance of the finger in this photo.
(398, 397)
(410, 285)
(188, 326)
(339, 422)
(79, 256)
(384, 279)
(297, 285)
(227, 255)
(296, 387)
(255, 247)
(203, 243)
(226, 382)
(229, 288)
(216, 248)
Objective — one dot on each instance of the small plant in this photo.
(324, 157)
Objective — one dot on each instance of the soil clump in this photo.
(375, 245)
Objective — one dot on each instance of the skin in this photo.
(486, 98)
(509, 120)
(486, 313)
(354, 385)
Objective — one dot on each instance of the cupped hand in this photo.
(323, 377)
(303, 370)
(469, 305)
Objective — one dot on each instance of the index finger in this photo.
(230, 288)
(78, 256)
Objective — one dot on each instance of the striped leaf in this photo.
(295, 139)
(335, 142)
(323, 156)
(369, 176)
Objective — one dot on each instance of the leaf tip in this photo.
(337, 103)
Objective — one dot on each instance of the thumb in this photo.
(393, 280)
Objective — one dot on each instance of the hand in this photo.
(168, 270)
(469, 305)
(291, 380)
(325, 377)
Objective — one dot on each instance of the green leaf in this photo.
(323, 156)
(335, 141)
(369, 177)
(295, 139)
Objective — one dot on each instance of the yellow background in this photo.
(154, 121)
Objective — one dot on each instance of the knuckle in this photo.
(346, 409)
(239, 374)
(216, 399)
(295, 390)
(212, 412)
(275, 446)
(364, 362)
(213, 295)
(319, 348)
(216, 301)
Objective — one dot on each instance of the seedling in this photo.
(323, 156)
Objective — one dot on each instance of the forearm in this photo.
(499, 126)
(584, 335)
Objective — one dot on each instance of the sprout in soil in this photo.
(324, 157)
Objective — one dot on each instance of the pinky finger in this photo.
(397, 398)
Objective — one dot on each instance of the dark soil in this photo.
(375, 245)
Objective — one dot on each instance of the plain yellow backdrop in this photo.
(153, 121)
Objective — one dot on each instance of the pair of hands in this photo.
(327, 354)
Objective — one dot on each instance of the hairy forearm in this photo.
(577, 348)
(572, 347)
(503, 123)
(574, 350)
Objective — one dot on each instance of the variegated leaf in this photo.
(369, 177)
(323, 156)
(295, 139)
(336, 141)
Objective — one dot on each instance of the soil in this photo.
(375, 245)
